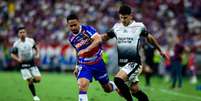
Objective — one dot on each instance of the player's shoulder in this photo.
(138, 24)
(118, 24)
(30, 39)
(87, 27)
(16, 42)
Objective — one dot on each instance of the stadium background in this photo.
(45, 21)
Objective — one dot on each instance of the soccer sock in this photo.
(83, 96)
(34, 80)
(114, 87)
(141, 96)
(124, 90)
(32, 89)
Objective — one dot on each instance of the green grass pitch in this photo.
(63, 87)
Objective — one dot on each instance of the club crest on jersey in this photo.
(125, 31)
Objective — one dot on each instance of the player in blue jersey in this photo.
(86, 41)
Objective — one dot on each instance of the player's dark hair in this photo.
(72, 17)
(125, 10)
(20, 28)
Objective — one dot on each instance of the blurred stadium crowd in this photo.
(45, 21)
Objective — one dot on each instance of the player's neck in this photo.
(23, 39)
(79, 31)
(127, 24)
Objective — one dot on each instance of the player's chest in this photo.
(81, 40)
(127, 35)
(25, 46)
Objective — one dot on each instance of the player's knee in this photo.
(108, 88)
(134, 88)
(37, 79)
(30, 81)
(83, 86)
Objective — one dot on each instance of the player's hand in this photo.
(75, 72)
(19, 60)
(164, 55)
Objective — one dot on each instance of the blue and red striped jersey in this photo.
(81, 41)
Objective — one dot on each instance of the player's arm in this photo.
(153, 41)
(37, 55)
(36, 48)
(108, 35)
(96, 40)
(14, 56)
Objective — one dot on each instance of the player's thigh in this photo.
(122, 74)
(35, 73)
(133, 80)
(26, 74)
(125, 71)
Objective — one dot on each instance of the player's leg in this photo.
(100, 74)
(36, 74)
(179, 74)
(134, 87)
(84, 78)
(83, 85)
(36, 78)
(136, 92)
(119, 80)
(173, 74)
(26, 74)
(109, 87)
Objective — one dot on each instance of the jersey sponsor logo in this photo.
(81, 43)
(125, 39)
(123, 60)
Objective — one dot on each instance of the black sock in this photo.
(35, 81)
(124, 90)
(32, 89)
(141, 96)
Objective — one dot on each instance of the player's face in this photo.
(125, 19)
(74, 26)
(22, 33)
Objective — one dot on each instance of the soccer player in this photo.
(128, 34)
(86, 41)
(24, 51)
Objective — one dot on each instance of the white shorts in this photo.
(28, 73)
(133, 70)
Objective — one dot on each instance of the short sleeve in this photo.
(111, 34)
(90, 30)
(144, 32)
(14, 49)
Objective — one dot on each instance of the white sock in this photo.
(83, 96)
(114, 87)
